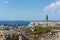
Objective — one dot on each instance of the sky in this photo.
(29, 9)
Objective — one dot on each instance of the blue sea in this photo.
(20, 23)
(14, 23)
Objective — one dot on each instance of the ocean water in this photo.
(21, 23)
(9, 23)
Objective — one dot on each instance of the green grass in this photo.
(42, 30)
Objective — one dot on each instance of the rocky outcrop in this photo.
(55, 35)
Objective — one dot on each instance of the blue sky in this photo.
(29, 9)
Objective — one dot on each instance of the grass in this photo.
(42, 30)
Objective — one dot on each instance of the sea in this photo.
(15, 23)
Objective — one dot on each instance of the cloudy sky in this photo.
(29, 9)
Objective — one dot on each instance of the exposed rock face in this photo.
(8, 35)
(44, 24)
(55, 35)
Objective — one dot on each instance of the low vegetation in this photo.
(40, 30)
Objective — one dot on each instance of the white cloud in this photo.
(53, 6)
